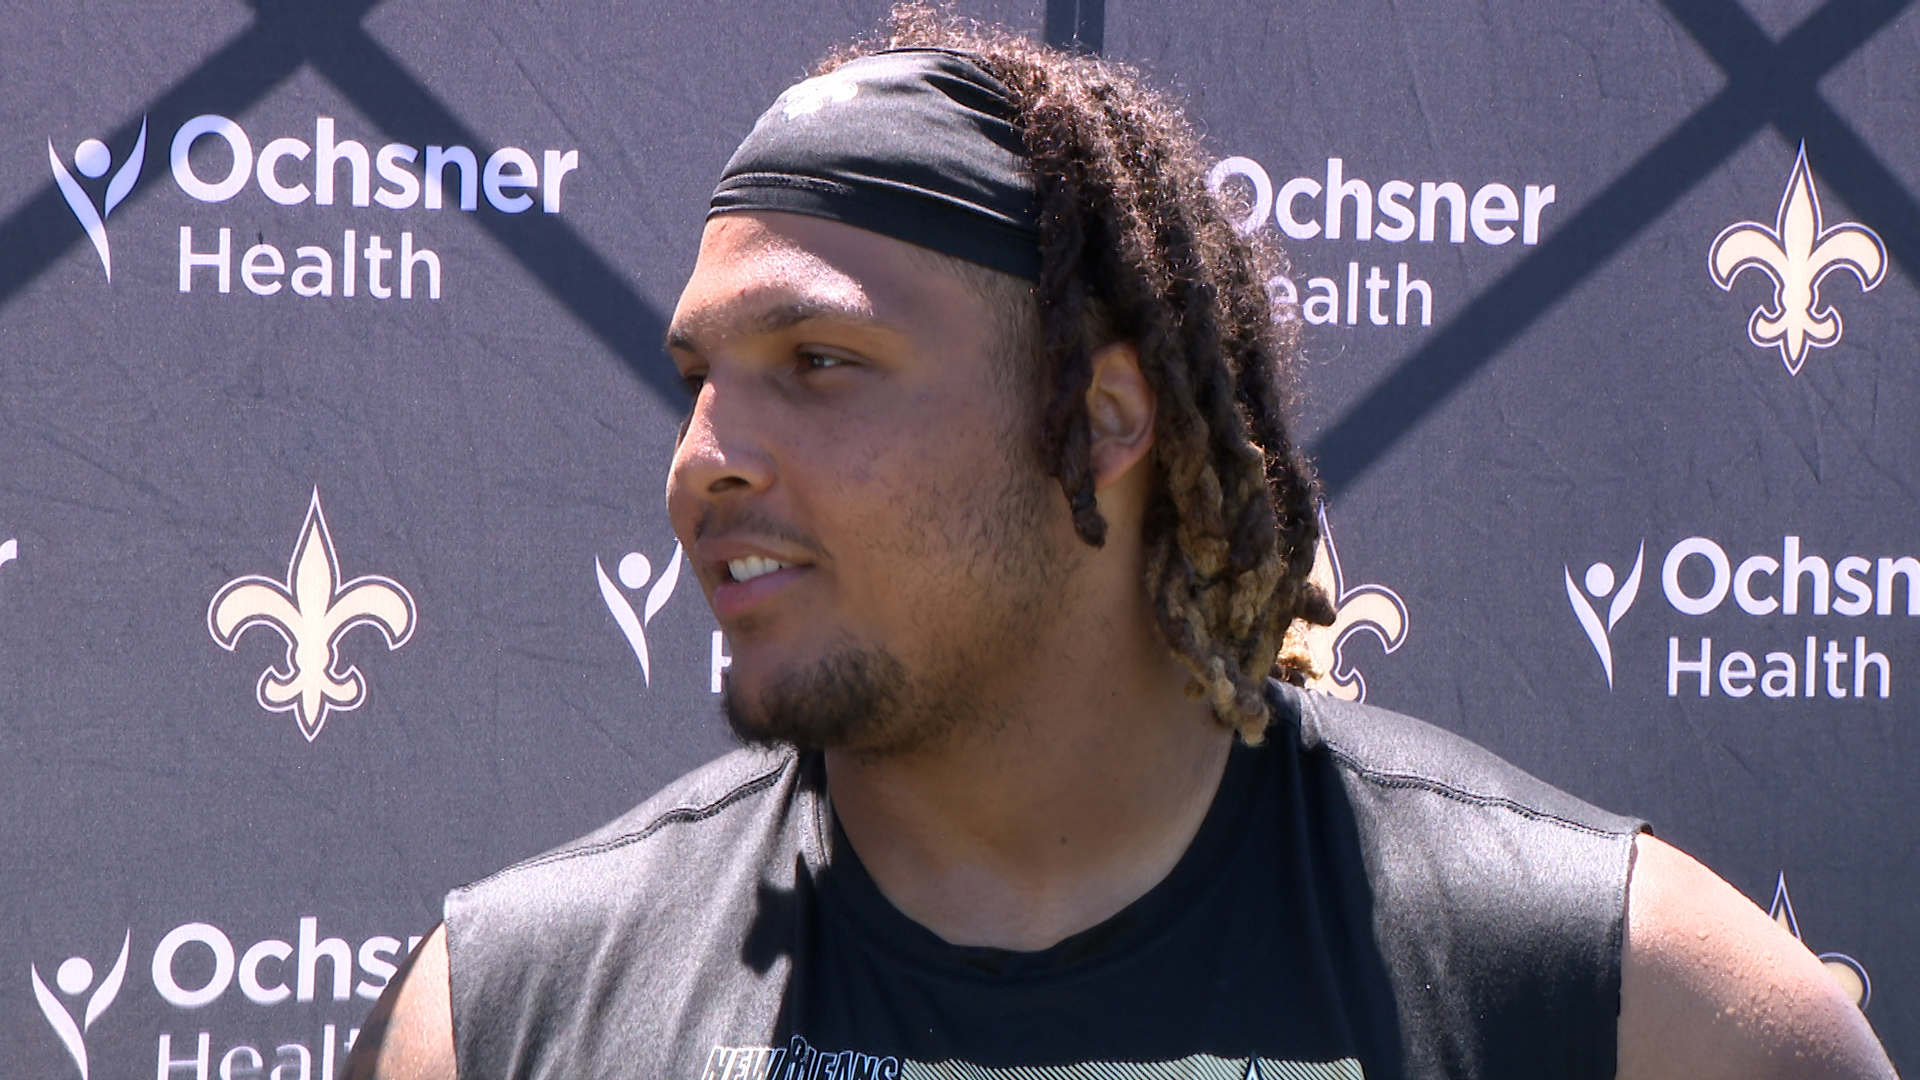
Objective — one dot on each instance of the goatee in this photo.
(842, 702)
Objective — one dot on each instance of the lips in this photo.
(732, 598)
(747, 561)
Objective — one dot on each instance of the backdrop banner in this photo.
(334, 422)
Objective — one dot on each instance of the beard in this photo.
(844, 700)
(999, 574)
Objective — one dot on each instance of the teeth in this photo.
(754, 566)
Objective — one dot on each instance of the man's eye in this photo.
(821, 362)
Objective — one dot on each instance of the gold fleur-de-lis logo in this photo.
(1845, 969)
(1372, 609)
(1797, 253)
(311, 611)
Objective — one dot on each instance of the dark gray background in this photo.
(1571, 400)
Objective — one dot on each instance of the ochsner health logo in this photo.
(1786, 622)
(75, 977)
(360, 251)
(93, 159)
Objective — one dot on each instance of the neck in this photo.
(1080, 797)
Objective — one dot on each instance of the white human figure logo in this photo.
(634, 571)
(93, 159)
(1599, 582)
(74, 977)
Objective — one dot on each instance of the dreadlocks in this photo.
(1135, 248)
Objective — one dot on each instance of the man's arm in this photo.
(1710, 987)
(409, 1033)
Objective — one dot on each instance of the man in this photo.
(987, 478)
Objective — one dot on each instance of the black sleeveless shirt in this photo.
(1367, 896)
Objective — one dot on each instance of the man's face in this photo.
(854, 487)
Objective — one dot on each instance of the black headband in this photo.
(917, 144)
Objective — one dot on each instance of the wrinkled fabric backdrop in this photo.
(334, 569)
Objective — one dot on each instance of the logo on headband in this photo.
(807, 98)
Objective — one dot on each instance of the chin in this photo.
(848, 700)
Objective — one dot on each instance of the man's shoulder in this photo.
(716, 807)
(630, 918)
(1394, 752)
(1497, 900)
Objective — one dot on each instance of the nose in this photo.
(721, 453)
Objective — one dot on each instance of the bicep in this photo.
(1711, 987)
(409, 1033)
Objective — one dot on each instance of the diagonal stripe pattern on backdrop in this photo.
(287, 35)
(1768, 83)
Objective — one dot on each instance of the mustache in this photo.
(716, 522)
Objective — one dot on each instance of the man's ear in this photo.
(1120, 413)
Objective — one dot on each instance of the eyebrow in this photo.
(783, 317)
